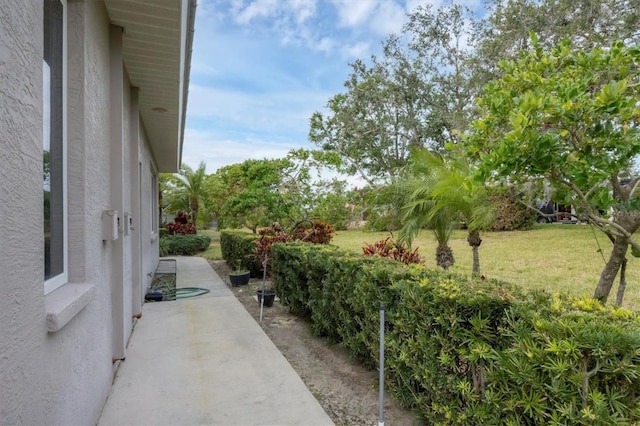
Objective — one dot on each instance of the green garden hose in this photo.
(186, 292)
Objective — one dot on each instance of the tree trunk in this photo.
(194, 210)
(474, 241)
(444, 256)
(623, 282)
(610, 271)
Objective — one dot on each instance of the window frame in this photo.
(62, 278)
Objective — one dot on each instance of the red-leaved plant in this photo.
(180, 225)
(318, 233)
(268, 237)
(389, 247)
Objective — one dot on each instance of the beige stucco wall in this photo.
(61, 377)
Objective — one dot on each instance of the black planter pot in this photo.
(269, 297)
(239, 279)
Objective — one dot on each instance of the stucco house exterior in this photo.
(93, 99)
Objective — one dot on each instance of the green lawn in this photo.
(556, 257)
(214, 252)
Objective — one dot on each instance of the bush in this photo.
(180, 225)
(183, 245)
(391, 248)
(318, 233)
(469, 351)
(511, 214)
(239, 250)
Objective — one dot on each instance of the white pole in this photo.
(381, 395)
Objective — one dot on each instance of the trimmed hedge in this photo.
(469, 352)
(183, 245)
(240, 246)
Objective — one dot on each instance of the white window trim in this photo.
(59, 280)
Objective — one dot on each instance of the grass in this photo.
(556, 257)
(213, 252)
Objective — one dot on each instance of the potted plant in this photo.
(265, 296)
(268, 295)
(239, 276)
(268, 237)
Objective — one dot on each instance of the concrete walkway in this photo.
(204, 360)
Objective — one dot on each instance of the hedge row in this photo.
(470, 352)
(239, 249)
(183, 245)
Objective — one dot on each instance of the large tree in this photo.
(569, 117)
(441, 40)
(588, 23)
(248, 193)
(415, 95)
(381, 116)
(257, 193)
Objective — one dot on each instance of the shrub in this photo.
(180, 225)
(393, 249)
(318, 233)
(183, 245)
(163, 246)
(469, 351)
(238, 247)
(511, 214)
(181, 218)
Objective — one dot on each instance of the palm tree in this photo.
(188, 190)
(449, 190)
(416, 217)
(418, 211)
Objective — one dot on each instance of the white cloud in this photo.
(382, 17)
(326, 44)
(388, 18)
(303, 9)
(354, 13)
(277, 114)
(256, 9)
(218, 151)
(298, 11)
(359, 50)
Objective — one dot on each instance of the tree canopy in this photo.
(570, 117)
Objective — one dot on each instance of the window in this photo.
(54, 145)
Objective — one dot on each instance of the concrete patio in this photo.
(205, 361)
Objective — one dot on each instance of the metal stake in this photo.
(381, 394)
(264, 279)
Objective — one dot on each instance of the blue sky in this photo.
(260, 68)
